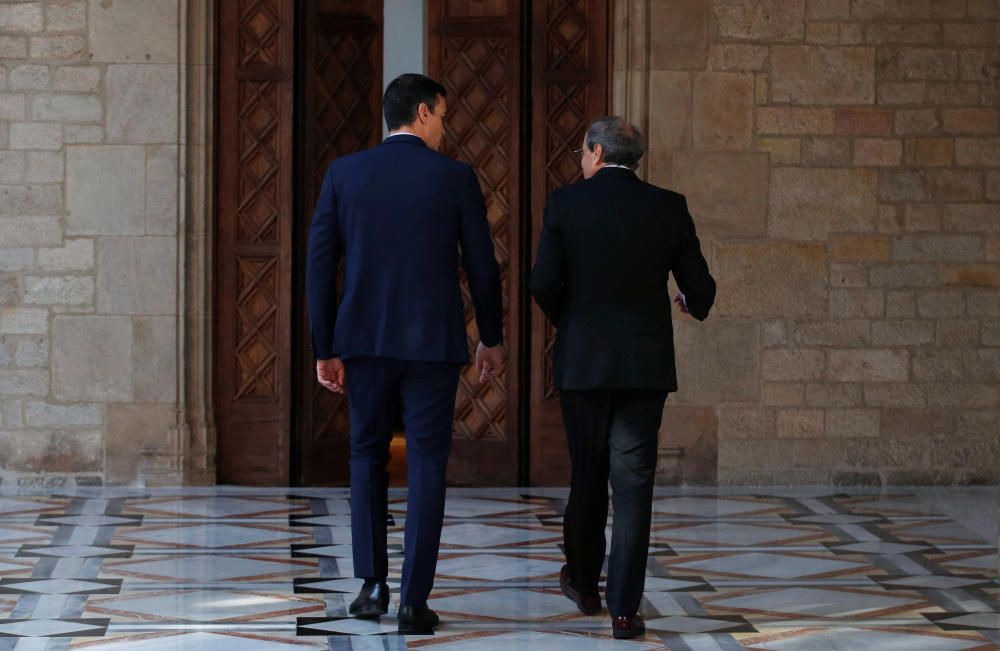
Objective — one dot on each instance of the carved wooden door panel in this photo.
(570, 70)
(340, 110)
(253, 241)
(474, 50)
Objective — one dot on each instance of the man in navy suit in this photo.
(398, 214)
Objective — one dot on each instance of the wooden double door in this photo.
(300, 83)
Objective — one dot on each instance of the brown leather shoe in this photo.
(589, 605)
(625, 628)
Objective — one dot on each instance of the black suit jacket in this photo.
(607, 246)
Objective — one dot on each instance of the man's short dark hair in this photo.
(405, 94)
(623, 144)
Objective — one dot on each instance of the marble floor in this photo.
(236, 569)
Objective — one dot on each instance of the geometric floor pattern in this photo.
(269, 569)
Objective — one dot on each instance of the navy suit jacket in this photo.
(397, 214)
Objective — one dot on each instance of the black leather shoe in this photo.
(372, 601)
(417, 620)
(589, 604)
(625, 628)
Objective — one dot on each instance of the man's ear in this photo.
(599, 153)
(423, 111)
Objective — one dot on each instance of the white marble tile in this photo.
(812, 602)
(506, 603)
(853, 639)
(777, 566)
(495, 567)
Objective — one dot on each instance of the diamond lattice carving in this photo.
(256, 334)
(257, 142)
(475, 71)
(259, 33)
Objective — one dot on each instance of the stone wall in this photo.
(93, 137)
(841, 159)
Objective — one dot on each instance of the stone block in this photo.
(901, 92)
(105, 189)
(726, 192)
(833, 395)
(958, 333)
(902, 185)
(895, 395)
(800, 423)
(721, 363)
(761, 20)
(907, 63)
(843, 333)
(66, 108)
(758, 268)
(863, 122)
(971, 275)
(746, 422)
(63, 48)
(954, 185)
(131, 278)
(860, 248)
(857, 303)
(154, 359)
(937, 248)
(794, 364)
(903, 33)
(132, 430)
(43, 414)
(970, 120)
(822, 75)
(905, 275)
(723, 111)
(877, 152)
(670, 101)
(142, 105)
(32, 353)
(76, 255)
(795, 120)
(24, 321)
(21, 17)
(30, 231)
(33, 135)
(902, 333)
(134, 32)
(29, 77)
(696, 430)
(981, 33)
(92, 358)
(81, 79)
(782, 394)
(826, 152)
(930, 152)
(977, 152)
(51, 451)
(810, 204)
(916, 121)
(44, 167)
(54, 290)
(872, 365)
(738, 57)
(852, 423)
(24, 383)
(941, 304)
(66, 16)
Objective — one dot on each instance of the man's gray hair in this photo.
(623, 144)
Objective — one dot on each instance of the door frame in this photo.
(266, 424)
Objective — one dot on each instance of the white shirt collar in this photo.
(402, 133)
(626, 167)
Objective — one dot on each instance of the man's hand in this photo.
(682, 303)
(330, 373)
(489, 361)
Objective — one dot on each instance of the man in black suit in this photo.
(397, 214)
(607, 246)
